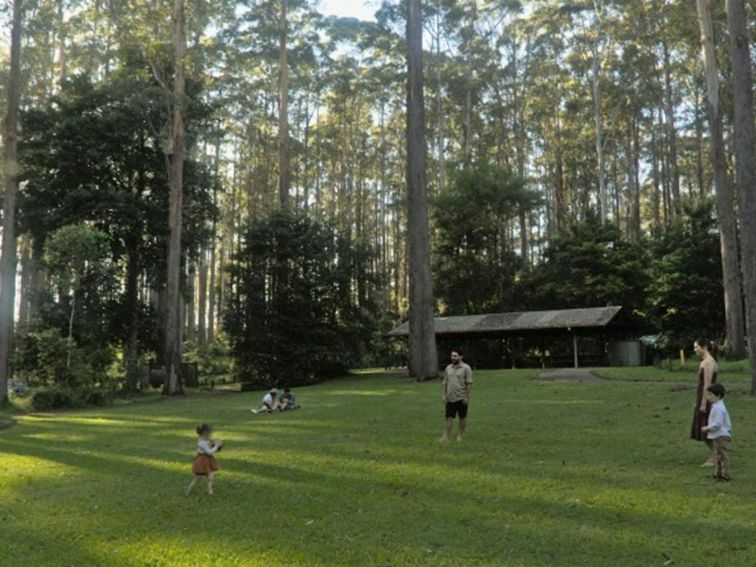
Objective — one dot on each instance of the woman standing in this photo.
(707, 375)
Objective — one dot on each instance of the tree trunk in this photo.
(306, 159)
(657, 199)
(599, 124)
(283, 121)
(202, 300)
(71, 325)
(210, 337)
(560, 197)
(173, 384)
(664, 167)
(191, 297)
(10, 174)
(131, 346)
(699, 149)
(26, 275)
(36, 280)
(633, 213)
(725, 198)
(62, 62)
(439, 107)
(422, 340)
(745, 160)
(211, 309)
(636, 180)
(669, 113)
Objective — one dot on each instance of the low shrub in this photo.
(57, 398)
(95, 397)
(51, 398)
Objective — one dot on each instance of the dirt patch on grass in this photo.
(585, 375)
(571, 375)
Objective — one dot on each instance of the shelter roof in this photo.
(520, 321)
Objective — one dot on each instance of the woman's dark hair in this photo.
(202, 429)
(718, 390)
(708, 345)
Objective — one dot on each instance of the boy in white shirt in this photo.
(719, 431)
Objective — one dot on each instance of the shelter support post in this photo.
(575, 348)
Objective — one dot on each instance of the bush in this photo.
(56, 398)
(51, 398)
(42, 357)
(96, 397)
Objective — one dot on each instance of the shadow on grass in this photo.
(359, 517)
(21, 544)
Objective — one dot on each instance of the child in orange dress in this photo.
(204, 463)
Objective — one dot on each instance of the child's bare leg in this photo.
(210, 479)
(712, 454)
(191, 484)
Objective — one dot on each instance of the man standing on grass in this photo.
(457, 387)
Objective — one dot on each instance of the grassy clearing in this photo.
(550, 474)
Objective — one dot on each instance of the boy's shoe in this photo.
(709, 463)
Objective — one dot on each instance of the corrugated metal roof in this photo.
(519, 321)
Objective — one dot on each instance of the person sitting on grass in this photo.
(287, 401)
(204, 463)
(719, 431)
(268, 403)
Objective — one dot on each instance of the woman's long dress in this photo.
(701, 419)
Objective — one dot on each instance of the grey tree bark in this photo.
(10, 174)
(598, 117)
(599, 125)
(283, 106)
(669, 113)
(423, 363)
(173, 317)
(745, 161)
(202, 299)
(725, 197)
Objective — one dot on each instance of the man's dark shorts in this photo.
(456, 408)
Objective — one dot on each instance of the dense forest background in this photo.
(568, 165)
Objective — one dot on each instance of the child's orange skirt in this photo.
(204, 464)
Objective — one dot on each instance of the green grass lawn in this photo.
(549, 474)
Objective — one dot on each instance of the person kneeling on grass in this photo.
(287, 401)
(719, 431)
(204, 462)
(268, 403)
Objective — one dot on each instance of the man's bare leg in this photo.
(461, 432)
(447, 429)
